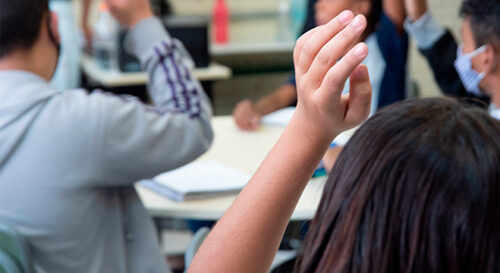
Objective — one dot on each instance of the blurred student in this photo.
(472, 70)
(67, 74)
(391, 204)
(386, 61)
(69, 160)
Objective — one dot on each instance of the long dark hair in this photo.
(415, 190)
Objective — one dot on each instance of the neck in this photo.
(21, 61)
(40, 59)
(493, 89)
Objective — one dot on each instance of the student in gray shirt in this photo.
(68, 160)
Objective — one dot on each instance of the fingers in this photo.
(245, 117)
(310, 47)
(334, 49)
(333, 82)
(360, 95)
(300, 45)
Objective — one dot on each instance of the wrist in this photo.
(136, 18)
(259, 107)
(312, 131)
(416, 15)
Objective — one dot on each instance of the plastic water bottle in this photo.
(105, 40)
(221, 21)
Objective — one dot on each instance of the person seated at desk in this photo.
(391, 204)
(69, 160)
(475, 72)
(386, 39)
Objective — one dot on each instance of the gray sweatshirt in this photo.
(68, 160)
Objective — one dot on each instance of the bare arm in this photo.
(247, 237)
(87, 30)
(279, 99)
(415, 9)
(395, 11)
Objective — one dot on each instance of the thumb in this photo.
(360, 95)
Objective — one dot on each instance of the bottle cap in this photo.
(103, 7)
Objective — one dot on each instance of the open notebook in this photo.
(197, 180)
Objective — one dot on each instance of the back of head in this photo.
(484, 18)
(415, 190)
(20, 22)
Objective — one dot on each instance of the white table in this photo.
(240, 150)
(115, 78)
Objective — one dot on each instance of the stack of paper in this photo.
(279, 118)
(198, 180)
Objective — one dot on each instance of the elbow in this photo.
(207, 138)
(203, 141)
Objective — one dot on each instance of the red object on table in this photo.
(221, 21)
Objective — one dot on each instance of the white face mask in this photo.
(494, 111)
(470, 78)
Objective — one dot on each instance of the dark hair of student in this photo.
(484, 20)
(20, 22)
(416, 190)
(373, 17)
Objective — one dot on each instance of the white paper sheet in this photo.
(198, 180)
(279, 118)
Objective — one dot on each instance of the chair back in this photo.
(194, 245)
(15, 256)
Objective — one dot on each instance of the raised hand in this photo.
(265, 205)
(129, 12)
(324, 59)
(415, 9)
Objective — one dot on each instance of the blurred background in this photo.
(260, 44)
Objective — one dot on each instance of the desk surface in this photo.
(240, 150)
(114, 78)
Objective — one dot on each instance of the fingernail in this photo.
(360, 73)
(357, 23)
(360, 50)
(345, 16)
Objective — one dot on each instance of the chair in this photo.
(15, 256)
(199, 237)
(194, 245)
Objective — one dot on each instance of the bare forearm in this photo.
(416, 9)
(281, 98)
(266, 219)
(395, 11)
(85, 12)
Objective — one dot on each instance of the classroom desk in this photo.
(114, 78)
(240, 150)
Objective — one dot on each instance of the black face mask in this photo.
(56, 44)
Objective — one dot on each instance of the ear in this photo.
(54, 26)
(491, 59)
(362, 7)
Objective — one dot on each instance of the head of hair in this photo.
(415, 190)
(20, 22)
(373, 16)
(484, 18)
